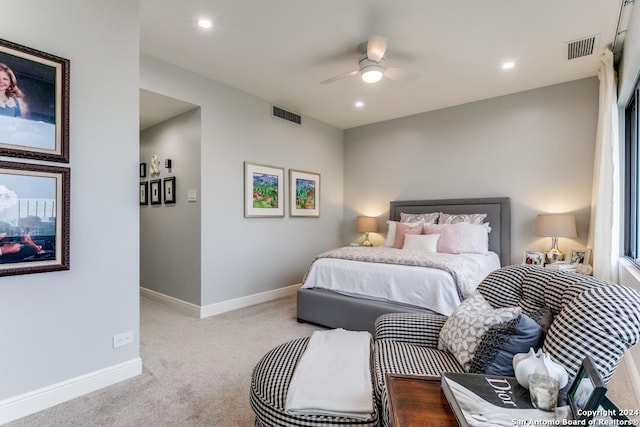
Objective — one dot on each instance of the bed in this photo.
(339, 309)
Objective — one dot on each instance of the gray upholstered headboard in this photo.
(498, 210)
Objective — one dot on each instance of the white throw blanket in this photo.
(333, 376)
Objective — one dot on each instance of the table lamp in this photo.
(367, 224)
(554, 226)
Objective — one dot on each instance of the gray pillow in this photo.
(500, 343)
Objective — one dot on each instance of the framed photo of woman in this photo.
(533, 258)
(34, 104)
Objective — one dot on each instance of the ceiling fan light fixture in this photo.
(372, 73)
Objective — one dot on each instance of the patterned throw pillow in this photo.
(429, 218)
(464, 329)
(456, 218)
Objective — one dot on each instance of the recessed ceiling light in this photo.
(508, 65)
(205, 23)
(359, 104)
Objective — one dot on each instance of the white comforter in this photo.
(438, 282)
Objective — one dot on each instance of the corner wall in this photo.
(241, 256)
(536, 147)
(57, 328)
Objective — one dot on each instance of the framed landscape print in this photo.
(34, 104)
(304, 188)
(154, 191)
(263, 190)
(144, 193)
(34, 218)
(170, 190)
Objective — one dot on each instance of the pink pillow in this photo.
(401, 230)
(461, 237)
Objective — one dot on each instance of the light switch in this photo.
(192, 195)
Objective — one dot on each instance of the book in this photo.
(479, 400)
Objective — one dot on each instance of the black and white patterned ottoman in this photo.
(269, 384)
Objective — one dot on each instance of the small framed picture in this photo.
(143, 170)
(579, 255)
(305, 194)
(170, 190)
(154, 189)
(587, 391)
(263, 190)
(144, 193)
(533, 258)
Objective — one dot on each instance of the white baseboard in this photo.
(184, 307)
(219, 307)
(46, 397)
(249, 300)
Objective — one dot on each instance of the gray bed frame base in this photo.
(335, 310)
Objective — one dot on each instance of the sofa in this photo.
(578, 315)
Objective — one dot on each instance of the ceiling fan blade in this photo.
(376, 47)
(401, 75)
(340, 77)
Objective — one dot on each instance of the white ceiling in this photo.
(280, 50)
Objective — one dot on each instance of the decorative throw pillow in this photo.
(391, 231)
(402, 230)
(429, 218)
(464, 329)
(460, 238)
(421, 242)
(494, 354)
(456, 218)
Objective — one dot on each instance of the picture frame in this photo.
(34, 218)
(533, 258)
(579, 256)
(263, 190)
(155, 195)
(144, 193)
(34, 122)
(586, 391)
(304, 194)
(143, 170)
(169, 190)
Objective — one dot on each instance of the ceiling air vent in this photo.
(581, 47)
(286, 115)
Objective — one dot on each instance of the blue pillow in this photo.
(494, 354)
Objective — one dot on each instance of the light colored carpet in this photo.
(196, 372)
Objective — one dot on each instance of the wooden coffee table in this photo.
(418, 401)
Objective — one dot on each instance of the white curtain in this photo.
(604, 229)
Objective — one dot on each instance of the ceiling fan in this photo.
(372, 64)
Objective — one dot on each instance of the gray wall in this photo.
(170, 234)
(536, 147)
(244, 256)
(57, 326)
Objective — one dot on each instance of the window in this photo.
(631, 183)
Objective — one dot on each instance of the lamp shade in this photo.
(365, 224)
(550, 225)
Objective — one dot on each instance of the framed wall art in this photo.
(143, 170)
(304, 189)
(34, 104)
(263, 190)
(170, 190)
(144, 193)
(34, 218)
(155, 191)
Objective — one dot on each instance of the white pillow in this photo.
(462, 237)
(391, 232)
(421, 242)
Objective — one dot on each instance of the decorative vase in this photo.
(525, 364)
